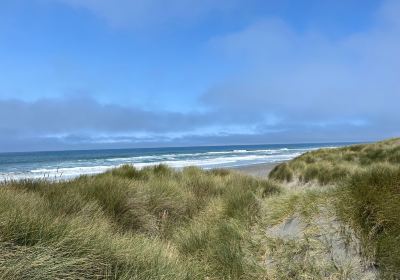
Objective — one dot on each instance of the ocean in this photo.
(69, 164)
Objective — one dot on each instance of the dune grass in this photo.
(370, 202)
(329, 166)
(328, 214)
(366, 181)
(155, 223)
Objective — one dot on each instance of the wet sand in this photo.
(258, 170)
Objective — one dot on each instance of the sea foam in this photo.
(66, 165)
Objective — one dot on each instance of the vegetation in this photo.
(370, 203)
(329, 166)
(155, 223)
(365, 195)
(328, 214)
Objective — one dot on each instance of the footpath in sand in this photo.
(302, 238)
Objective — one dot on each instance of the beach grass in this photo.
(365, 191)
(370, 203)
(155, 223)
(328, 214)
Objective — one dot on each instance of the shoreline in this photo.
(251, 160)
(260, 170)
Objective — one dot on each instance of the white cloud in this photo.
(304, 76)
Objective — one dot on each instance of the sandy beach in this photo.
(258, 170)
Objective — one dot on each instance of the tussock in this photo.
(154, 223)
(328, 214)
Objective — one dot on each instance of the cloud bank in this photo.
(282, 85)
(82, 122)
(308, 79)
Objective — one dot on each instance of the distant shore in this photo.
(71, 164)
(257, 170)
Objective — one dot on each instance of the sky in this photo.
(93, 74)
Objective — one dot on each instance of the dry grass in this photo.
(329, 166)
(155, 223)
(366, 188)
(158, 223)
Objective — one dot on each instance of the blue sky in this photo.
(81, 74)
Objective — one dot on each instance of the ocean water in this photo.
(69, 164)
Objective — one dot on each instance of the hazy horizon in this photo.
(184, 147)
(84, 74)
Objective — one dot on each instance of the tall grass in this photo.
(154, 223)
(367, 187)
(329, 166)
(159, 223)
(370, 201)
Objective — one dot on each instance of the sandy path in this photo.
(258, 170)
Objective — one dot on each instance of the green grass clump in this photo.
(329, 166)
(282, 173)
(324, 173)
(366, 180)
(370, 201)
(154, 223)
(37, 243)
